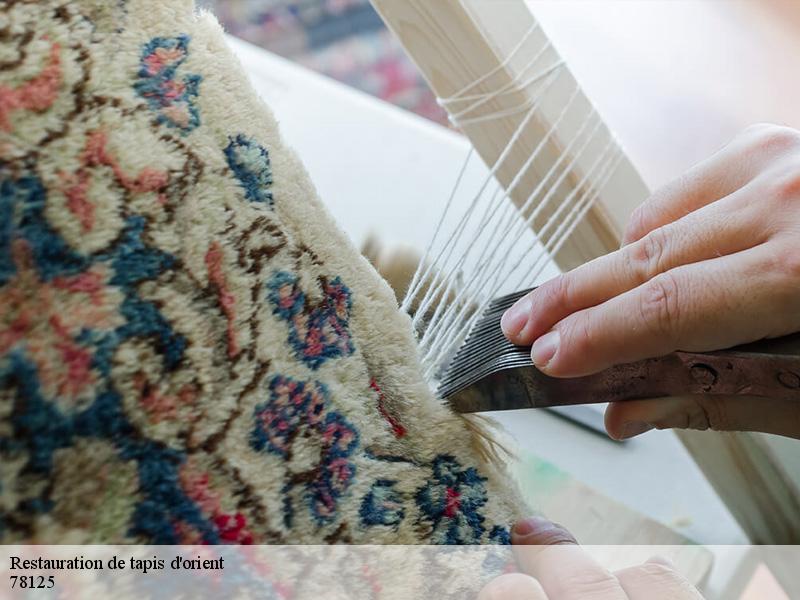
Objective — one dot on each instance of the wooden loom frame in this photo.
(454, 43)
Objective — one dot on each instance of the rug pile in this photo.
(191, 351)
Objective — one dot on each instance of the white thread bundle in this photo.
(491, 245)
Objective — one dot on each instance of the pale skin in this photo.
(552, 567)
(711, 260)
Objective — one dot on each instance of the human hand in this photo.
(710, 261)
(553, 567)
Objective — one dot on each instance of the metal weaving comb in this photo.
(490, 373)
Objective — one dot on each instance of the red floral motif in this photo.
(34, 318)
(171, 96)
(162, 57)
(231, 527)
(95, 154)
(159, 406)
(397, 427)
(452, 502)
(37, 94)
(216, 276)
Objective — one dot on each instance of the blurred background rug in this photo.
(343, 39)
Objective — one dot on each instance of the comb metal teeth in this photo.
(485, 350)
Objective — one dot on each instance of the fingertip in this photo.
(617, 418)
(577, 346)
(615, 434)
(555, 355)
(515, 318)
(544, 349)
(620, 425)
(612, 421)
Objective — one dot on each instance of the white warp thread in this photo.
(445, 300)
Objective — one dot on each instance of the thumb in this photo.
(627, 419)
(549, 553)
(538, 531)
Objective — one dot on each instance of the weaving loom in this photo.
(504, 85)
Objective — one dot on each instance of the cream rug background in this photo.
(190, 349)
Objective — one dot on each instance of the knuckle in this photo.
(587, 583)
(580, 336)
(659, 305)
(645, 256)
(711, 413)
(785, 262)
(655, 576)
(755, 130)
(791, 267)
(512, 585)
(785, 183)
(683, 419)
(559, 292)
(769, 138)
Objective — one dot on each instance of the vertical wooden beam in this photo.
(452, 50)
(454, 43)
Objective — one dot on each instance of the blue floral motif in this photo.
(22, 202)
(278, 420)
(500, 535)
(451, 502)
(317, 333)
(383, 505)
(8, 199)
(38, 426)
(295, 408)
(251, 166)
(172, 100)
(98, 348)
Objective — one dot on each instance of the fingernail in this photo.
(527, 526)
(634, 428)
(515, 318)
(540, 531)
(545, 348)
